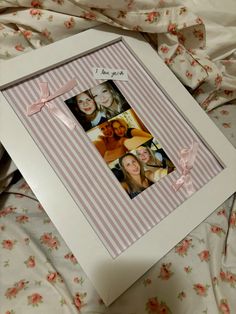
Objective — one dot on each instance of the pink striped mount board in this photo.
(100, 161)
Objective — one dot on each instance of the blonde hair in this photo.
(153, 158)
(109, 112)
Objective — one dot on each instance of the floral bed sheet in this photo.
(38, 273)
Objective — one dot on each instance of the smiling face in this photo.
(106, 129)
(119, 129)
(102, 95)
(131, 165)
(85, 103)
(143, 154)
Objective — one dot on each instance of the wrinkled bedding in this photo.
(38, 272)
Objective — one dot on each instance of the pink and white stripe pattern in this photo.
(117, 220)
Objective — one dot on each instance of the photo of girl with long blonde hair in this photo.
(136, 179)
(156, 165)
(108, 99)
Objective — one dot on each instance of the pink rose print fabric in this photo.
(38, 272)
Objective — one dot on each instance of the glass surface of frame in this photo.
(122, 271)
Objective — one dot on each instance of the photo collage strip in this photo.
(131, 152)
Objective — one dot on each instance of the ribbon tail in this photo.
(61, 116)
(34, 108)
(193, 153)
(180, 182)
(64, 89)
(188, 184)
(38, 105)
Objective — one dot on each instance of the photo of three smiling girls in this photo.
(128, 148)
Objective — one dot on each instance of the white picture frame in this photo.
(112, 276)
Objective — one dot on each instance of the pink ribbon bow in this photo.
(187, 158)
(46, 98)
